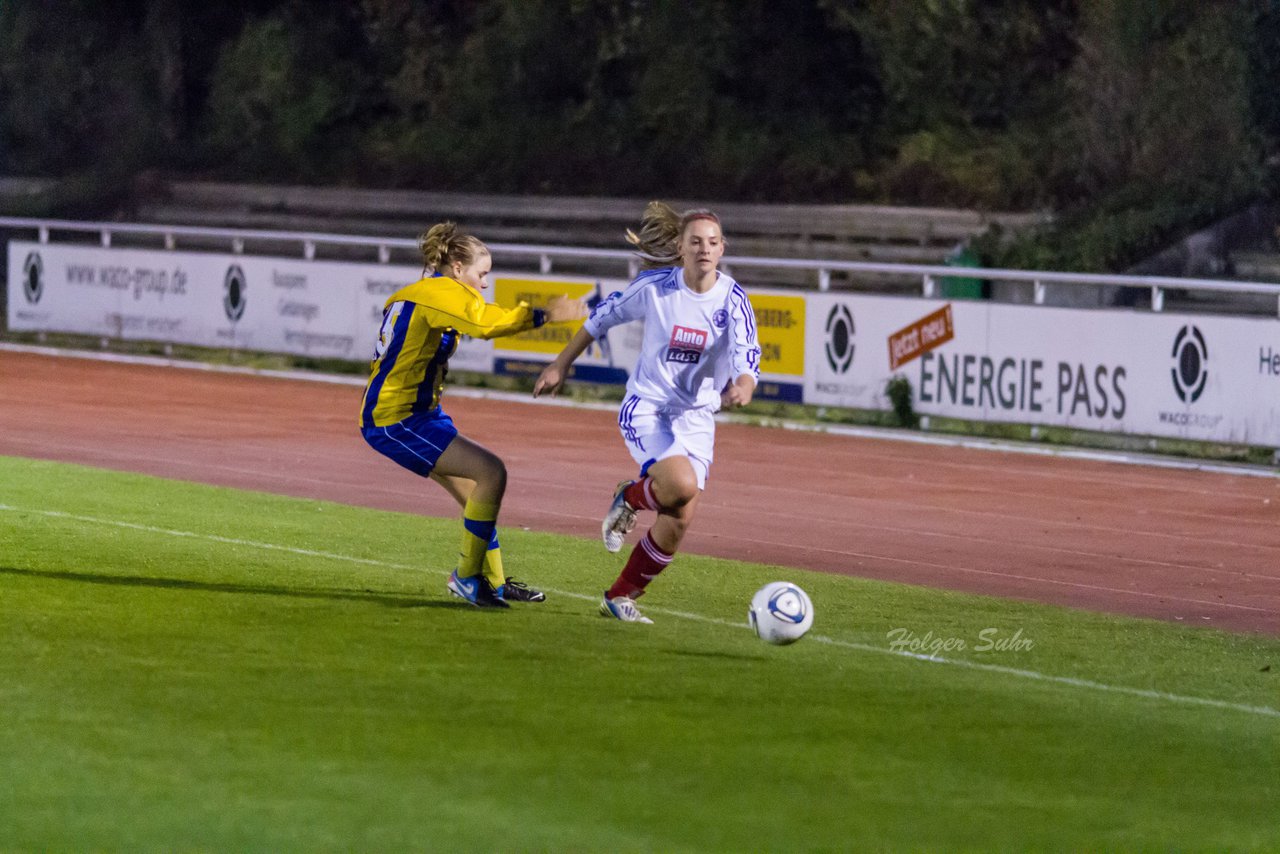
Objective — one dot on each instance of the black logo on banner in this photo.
(840, 344)
(233, 298)
(1190, 355)
(33, 278)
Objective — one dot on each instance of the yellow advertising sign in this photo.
(536, 292)
(780, 325)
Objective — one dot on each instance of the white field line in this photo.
(968, 442)
(1068, 681)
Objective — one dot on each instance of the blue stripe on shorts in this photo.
(415, 442)
(625, 415)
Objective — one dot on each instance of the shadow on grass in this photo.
(386, 599)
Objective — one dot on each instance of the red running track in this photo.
(1193, 546)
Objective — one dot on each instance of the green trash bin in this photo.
(963, 287)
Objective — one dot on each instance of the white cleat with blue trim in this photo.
(622, 608)
(619, 521)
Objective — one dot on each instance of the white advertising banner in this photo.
(281, 305)
(1203, 377)
(1194, 377)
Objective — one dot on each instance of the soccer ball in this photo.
(780, 613)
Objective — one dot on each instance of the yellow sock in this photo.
(493, 564)
(478, 523)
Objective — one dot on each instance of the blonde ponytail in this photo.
(658, 240)
(442, 244)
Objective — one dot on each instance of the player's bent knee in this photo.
(493, 474)
(499, 473)
(678, 491)
(675, 483)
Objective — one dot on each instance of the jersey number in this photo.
(389, 318)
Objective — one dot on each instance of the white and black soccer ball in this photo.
(780, 613)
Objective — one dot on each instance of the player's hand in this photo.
(561, 308)
(736, 395)
(549, 381)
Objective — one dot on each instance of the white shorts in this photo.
(655, 432)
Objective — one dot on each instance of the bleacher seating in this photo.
(1255, 265)
(25, 196)
(829, 232)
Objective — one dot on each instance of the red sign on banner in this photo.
(926, 333)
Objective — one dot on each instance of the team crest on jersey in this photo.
(720, 318)
(687, 345)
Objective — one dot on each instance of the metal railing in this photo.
(239, 239)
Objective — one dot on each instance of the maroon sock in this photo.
(640, 495)
(644, 565)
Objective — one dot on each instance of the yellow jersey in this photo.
(420, 328)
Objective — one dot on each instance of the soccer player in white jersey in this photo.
(700, 354)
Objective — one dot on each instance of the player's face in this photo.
(701, 246)
(475, 274)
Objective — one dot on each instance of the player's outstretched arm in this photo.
(468, 313)
(561, 309)
(553, 375)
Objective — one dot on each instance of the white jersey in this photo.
(694, 344)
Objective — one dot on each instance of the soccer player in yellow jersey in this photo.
(401, 415)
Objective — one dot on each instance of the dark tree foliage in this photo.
(1159, 134)
(1167, 108)
(605, 96)
(972, 89)
(1264, 83)
(291, 95)
(73, 88)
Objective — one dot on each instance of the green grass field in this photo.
(185, 667)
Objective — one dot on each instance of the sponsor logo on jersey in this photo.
(687, 345)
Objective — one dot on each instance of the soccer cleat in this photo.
(477, 590)
(620, 519)
(518, 591)
(622, 608)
